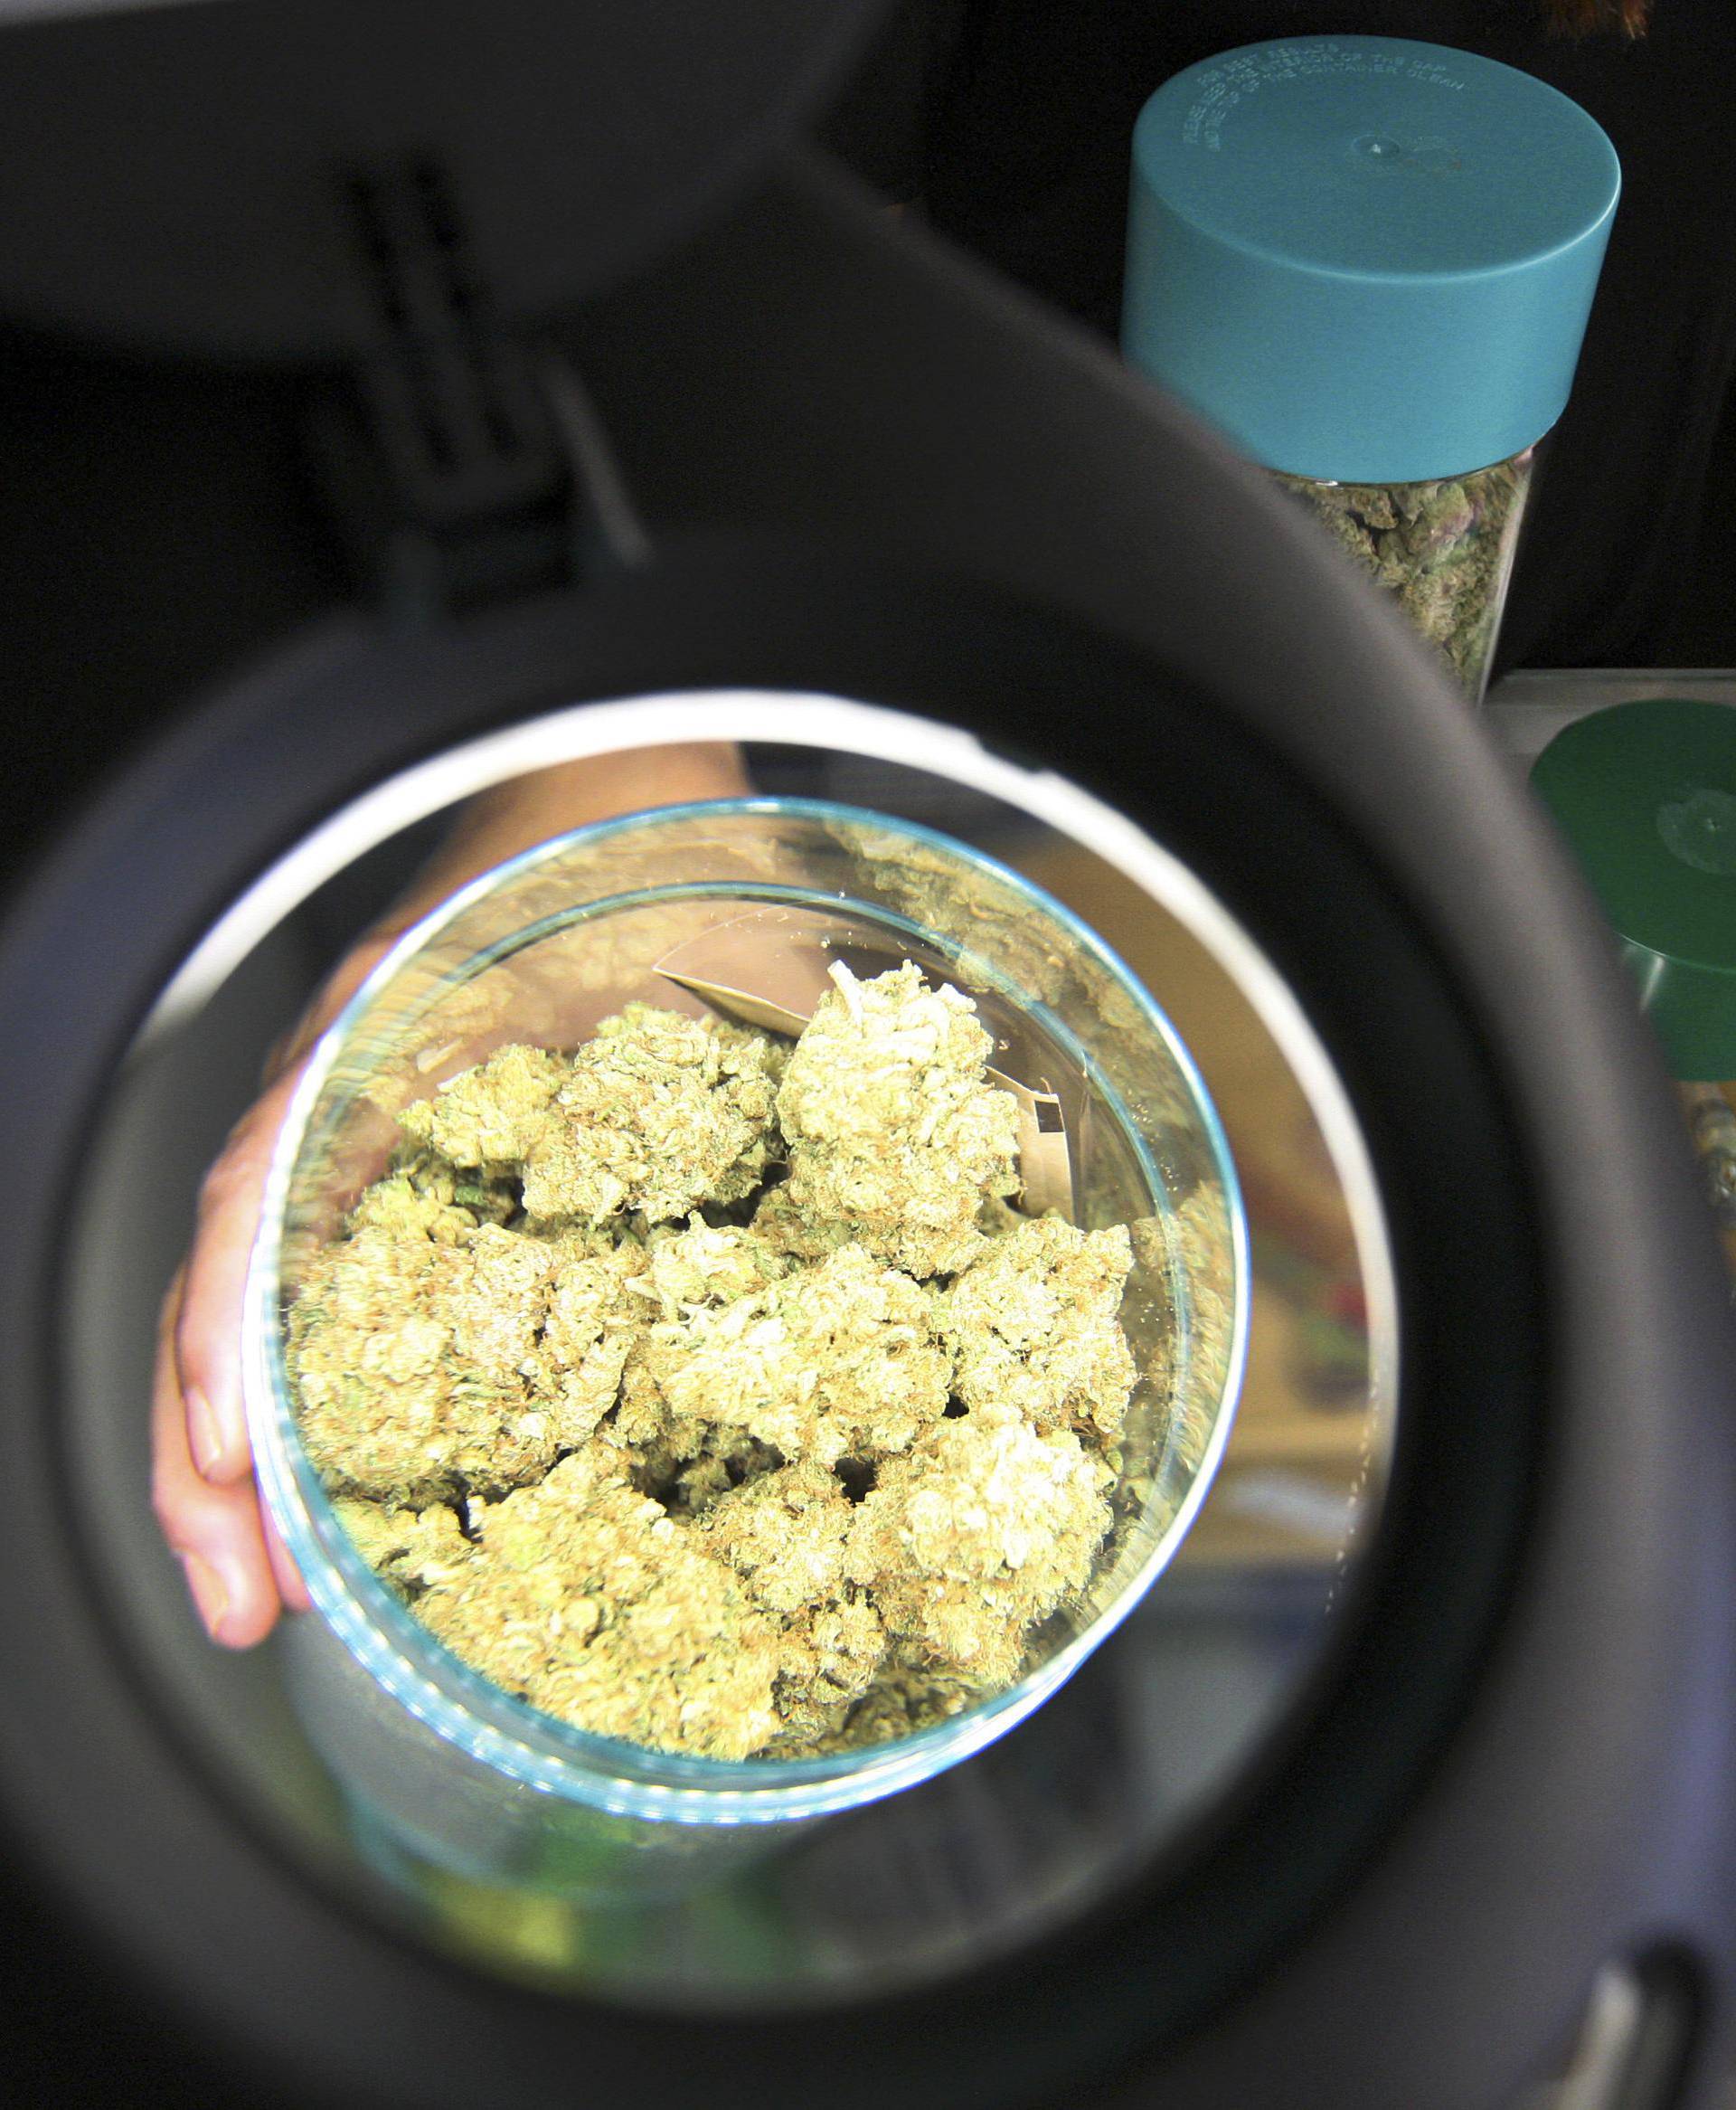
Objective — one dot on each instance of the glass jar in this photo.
(1369, 263)
(450, 1778)
(1443, 548)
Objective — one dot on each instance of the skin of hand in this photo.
(203, 1487)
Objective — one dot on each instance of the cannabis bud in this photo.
(1443, 550)
(690, 1337)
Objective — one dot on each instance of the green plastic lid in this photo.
(1365, 259)
(1646, 793)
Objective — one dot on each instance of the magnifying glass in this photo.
(1417, 1740)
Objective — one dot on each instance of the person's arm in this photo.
(202, 1486)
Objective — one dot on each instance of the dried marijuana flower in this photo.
(1444, 549)
(1034, 1328)
(657, 1113)
(893, 1134)
(708, 1392)
(587, 1599)
(977, 1534)
(838, 1361)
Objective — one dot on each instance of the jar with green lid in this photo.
(1370, 262)
(1646, 794)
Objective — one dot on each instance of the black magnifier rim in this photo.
(182, 178)
(128, 893)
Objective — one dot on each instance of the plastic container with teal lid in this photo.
(1646, 794)
(1370, 263)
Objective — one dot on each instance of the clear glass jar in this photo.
(1444, 549)
(447, 1774)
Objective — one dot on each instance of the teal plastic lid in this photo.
(1365, 259)
(1646, 794)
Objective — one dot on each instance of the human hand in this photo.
(203, 1489)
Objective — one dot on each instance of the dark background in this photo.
(156, 525)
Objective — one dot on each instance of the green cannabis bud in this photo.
(658, 1113)
(1444, 549)
(893, 1134)
(689, 1337)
